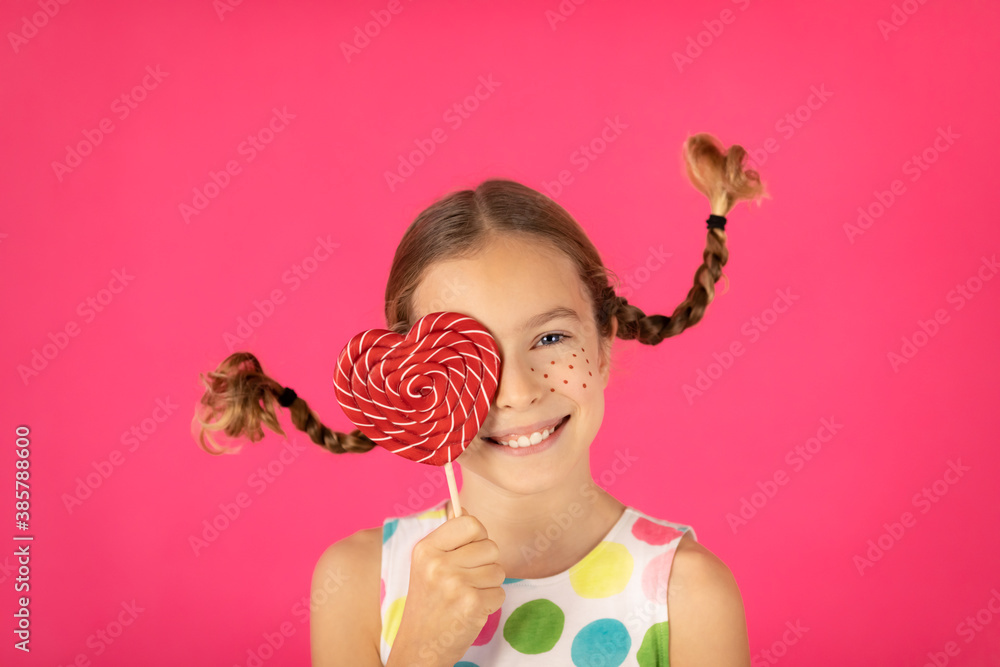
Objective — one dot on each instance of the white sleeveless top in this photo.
(609, 609)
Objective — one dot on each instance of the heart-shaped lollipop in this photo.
(423, 396)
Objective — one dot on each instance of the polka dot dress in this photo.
(607, 610)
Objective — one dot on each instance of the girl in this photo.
(543, 567)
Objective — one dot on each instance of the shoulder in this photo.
(707, 618)
(344, 602)
(351, 564)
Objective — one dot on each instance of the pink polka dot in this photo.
(654, 533)
(655, 577)
(486, 634)
(381, 597)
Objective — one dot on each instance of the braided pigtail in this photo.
(720, 176)
(239, 398)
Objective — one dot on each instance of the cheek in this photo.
(571, 371)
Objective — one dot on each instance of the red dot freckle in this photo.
(585, 386)
(571, 365)
(574, 355)
(551, 389)
(565, 381)
(582, 350)
(546, 375)
(588, 361)
(552, 362)
(588, 373)
(532, 369)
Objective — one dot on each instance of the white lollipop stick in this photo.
(453, 488)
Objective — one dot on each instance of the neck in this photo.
(544, 532)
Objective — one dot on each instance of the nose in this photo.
(519, 387)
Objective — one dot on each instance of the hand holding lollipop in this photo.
(423, 396)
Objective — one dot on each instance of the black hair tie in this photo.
(287, 397)
(716, 221)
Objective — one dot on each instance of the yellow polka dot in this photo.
(603, 572)
(392, 618)
(432, 514)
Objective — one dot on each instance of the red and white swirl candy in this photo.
(423, 396)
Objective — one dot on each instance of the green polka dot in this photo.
(655, 648)
(534, 627)
(603, 572)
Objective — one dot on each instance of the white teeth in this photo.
(528, 440)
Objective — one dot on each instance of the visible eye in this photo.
(559, 338)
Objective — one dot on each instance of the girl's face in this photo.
(550, 399)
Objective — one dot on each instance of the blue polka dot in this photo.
(388, 529)
(510, 580)
(603, 643)
(466, 663)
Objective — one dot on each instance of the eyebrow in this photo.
(549, 315)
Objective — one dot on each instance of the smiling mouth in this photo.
(535, 438)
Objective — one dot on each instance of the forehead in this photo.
(503, 285)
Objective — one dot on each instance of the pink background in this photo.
(885, 99)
